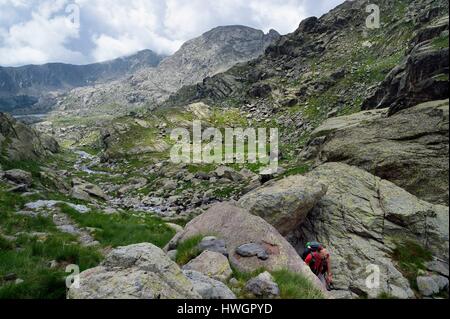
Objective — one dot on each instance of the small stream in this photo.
(84, 163)
(32, 116)
(81, 165)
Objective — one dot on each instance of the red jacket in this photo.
(316, 266)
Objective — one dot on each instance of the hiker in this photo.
(318, 259)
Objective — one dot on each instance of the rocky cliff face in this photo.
(409, 148)
(213, 52)
(362, 220)
(423, 74)
(23, 87)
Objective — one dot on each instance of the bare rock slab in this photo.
(284, 203)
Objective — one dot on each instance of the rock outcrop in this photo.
(19, 176)
(361, 220)
(140, 271)
(237, 227)
(410, 148)
(423, 74)
(284, 203)
(20, 142)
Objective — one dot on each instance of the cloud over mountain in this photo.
(40, 31)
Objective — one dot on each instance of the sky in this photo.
(88, 31)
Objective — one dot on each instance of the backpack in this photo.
(310, 247)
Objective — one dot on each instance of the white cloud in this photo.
(286, 15)
(40, 39)
(37, 31)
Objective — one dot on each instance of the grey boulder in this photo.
(263, 286)
(211, 264)
(212, 243)
(19, 176)
(140, 271)
(86, 191)
(207, 287)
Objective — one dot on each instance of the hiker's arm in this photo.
(308, 259)
(329, 274)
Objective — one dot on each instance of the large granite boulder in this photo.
(361, 220)
(140, 271)
(238, 227)
(410, 148)
(284, 203)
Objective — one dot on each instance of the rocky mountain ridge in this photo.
(211, 53)
(24, 87)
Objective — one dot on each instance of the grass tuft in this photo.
(123, 229)
(188, 250)
(298, 170)
(386, 295)
(292, 285)
(411, 258)
(31, 264)
(295, 286)
(43, 284)
(440, 42)
(5, 244)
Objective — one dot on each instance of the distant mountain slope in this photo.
(332, 63)
(21, 87)
(213, 52)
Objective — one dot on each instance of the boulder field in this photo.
(363, 220)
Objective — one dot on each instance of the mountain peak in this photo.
(213, 52)
(238, 31)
